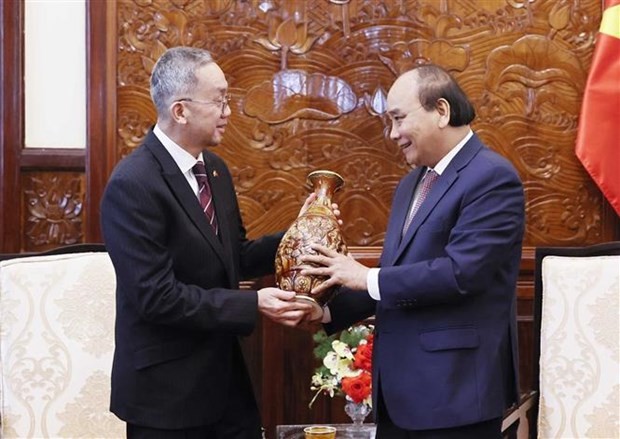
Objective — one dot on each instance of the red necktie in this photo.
(204, 193)
(427, 182)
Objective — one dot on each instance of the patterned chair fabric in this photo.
(578, 318)
(56, 346)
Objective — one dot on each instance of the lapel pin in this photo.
(215, 174)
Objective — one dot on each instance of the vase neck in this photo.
(324, 195)
(325, 184)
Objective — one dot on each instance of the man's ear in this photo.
(443, 109)
(177, 112)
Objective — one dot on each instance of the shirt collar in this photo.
(184, 160)
(441, 166)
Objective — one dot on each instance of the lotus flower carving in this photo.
(295, 94)
(287, 35)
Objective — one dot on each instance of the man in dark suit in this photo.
(179, 253)
(445, 359)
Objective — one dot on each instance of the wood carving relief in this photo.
(309, 80)
(53, 206)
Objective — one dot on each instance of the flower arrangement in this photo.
(346, 364)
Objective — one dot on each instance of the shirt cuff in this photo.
(372, 283)
(327, 315)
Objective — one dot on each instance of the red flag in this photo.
(598, 136)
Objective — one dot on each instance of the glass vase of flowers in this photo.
(346, 369)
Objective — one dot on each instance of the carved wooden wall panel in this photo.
(52, 205)
(309, 78)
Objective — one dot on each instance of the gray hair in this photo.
(174, 75)
(436, 83)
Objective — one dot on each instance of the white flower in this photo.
(322, 383)
(342, 349)
(336, 365)
(317, 380)
(339, 360)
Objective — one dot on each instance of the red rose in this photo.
(357, 388)
(363, 357)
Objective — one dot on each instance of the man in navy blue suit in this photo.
(178, 369)
(445, 351)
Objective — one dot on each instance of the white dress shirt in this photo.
(184, 160)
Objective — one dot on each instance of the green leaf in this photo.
(354, 335)
(323, 344)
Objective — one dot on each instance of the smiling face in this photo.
(417, 131)
(205, 114)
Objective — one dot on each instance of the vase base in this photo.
(317, 311)
(357, 411)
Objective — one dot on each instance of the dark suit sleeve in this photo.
(464, 248)
(258, 256)
(137, 223)
(349, 307)
(255, 257)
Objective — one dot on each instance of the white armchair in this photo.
(56, 345)
(577, 314)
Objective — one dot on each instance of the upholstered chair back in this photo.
(578, 315)
(56, 345)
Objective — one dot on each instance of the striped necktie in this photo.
(204, 194)
(425, 187)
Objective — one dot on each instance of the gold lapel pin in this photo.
(215, 174)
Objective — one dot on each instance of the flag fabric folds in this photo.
(598, 135)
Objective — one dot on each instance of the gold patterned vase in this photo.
(317, 225)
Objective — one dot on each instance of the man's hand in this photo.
(280, 306)
(308, 202)
(311, 322)
(340, 269)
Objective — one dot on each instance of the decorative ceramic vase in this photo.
(357, 411)
(318, 225)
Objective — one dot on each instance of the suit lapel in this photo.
(186, 198)
(439, 189)
(220, 201)
(402, 199)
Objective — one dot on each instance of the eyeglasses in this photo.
(223, 103)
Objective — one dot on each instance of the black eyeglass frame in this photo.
(223, 103)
